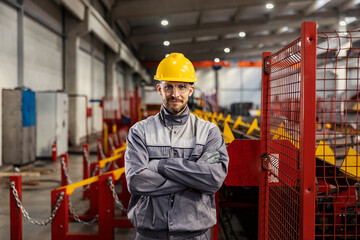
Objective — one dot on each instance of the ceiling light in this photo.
(342, 23)
(216, 60)
(269, 6)
(242, 34)
(227, 50)
(164, 22)
(166, 43)
(166, 55)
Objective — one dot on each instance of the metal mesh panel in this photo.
(282, 143)
(337, 137)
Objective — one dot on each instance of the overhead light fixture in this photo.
(164, 22)
(166, 43)
(269, 6)
(227, 50)
(216, 60)
(242, 34)
(166, 55)
(284, 29)
(342, 23)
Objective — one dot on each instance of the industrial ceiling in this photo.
(228, 29)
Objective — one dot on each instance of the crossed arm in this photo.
(175, 174)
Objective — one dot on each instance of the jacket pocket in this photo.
(196, 152)
(158, 152)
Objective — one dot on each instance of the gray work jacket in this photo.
(177, 202)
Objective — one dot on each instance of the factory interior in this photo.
(280, 79)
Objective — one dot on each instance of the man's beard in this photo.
(178, 108)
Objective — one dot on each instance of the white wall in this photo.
(42, 57)
(8, 54)
(91, 81)
(98, 93)
(235, 84)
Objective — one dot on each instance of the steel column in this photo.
(307, 128)
(263, 136)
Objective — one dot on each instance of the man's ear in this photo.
(158, 88)
(191, 90)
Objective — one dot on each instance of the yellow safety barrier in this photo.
(214, 121)
(228, 135)
(228, 119)
(324, 152)
(220, 117)
(71, 187)
(109, 159)
(121, 149)
(237, 122)
(254, 125)
(351, 163)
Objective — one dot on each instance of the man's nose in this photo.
(175, 92)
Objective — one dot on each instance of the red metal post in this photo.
(263, 135)
(54, 152)
(106, 208)
(307, 128)
(15, 212)
(60, 223)
(64, 180)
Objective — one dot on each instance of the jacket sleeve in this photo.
(204, 177)
(140, 179)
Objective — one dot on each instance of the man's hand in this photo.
(209, 157)
(153, 165)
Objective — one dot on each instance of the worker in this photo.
(174, 162)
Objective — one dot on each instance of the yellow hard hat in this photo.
(175, 68)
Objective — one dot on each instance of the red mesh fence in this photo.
(337, 138)
(282, 143)
(336, 159)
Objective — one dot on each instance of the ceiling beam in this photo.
(228, 29)
(142, 8)
(215, 44)
(316, 5)
(277, 9)
(238, 54)
(260, 20)
(237, 15)
(347, 5)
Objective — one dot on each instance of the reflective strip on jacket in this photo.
(179, 199)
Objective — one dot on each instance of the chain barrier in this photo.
(111, 143)
(86, 155)
(115, 196)
(77, 218)
(65, 171)
(26, 214)
(102, 155)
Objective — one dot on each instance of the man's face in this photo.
(175, 95)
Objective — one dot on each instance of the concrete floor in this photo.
(36, 200)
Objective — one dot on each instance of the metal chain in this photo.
(76, 217)
(86, 155)
(26, 214)
(96, 168)
(102, 154)
(65, 171)
(115, 196)
(111, 143)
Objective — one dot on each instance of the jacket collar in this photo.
(173, 120)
